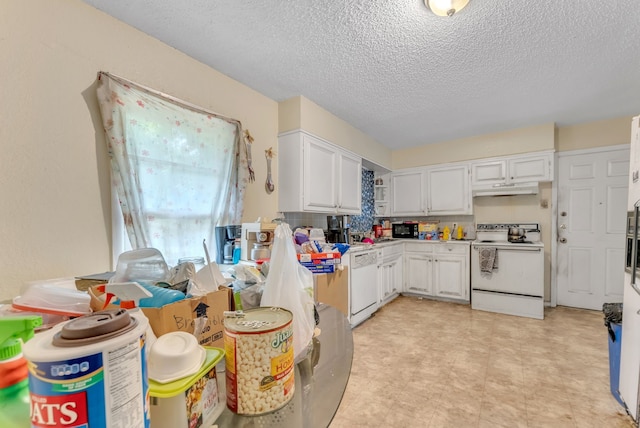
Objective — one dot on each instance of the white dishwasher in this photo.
(364, 285)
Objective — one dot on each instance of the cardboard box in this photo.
(319, 268)
(427, 227)
(204, 314)
(320, 262)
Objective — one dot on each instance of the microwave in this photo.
(404, 230)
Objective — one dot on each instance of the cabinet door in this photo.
(320, 176)
(407, 193)
(490, 172)
(450, 276)
(418, 272)
(349, 184)
(530, 168)
(448, 190)
(395, 285)
(383, 283)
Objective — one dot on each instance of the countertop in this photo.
(356, 248)
(319, 387)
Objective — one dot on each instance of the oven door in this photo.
(519, 271)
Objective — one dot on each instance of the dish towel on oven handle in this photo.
(488, 260)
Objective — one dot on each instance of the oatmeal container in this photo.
(259, 360)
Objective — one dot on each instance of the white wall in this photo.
(55, 210)
(302, 113)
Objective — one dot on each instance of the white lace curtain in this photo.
(178, 170)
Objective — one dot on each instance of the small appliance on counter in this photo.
(227, 239)
(255, 240)
(404, 230)
(338, 228)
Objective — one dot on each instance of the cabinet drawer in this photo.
(444, 248)
(419, 247)
(391, 250)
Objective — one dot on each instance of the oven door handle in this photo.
(508, 248)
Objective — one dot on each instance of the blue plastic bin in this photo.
(614, 359)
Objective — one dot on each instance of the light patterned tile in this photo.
(423, 363)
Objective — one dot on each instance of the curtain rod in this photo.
(173, 99)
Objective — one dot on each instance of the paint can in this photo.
(259, 360)
(90, 371)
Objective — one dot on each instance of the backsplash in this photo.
(364, 222)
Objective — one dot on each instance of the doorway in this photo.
(591, 216)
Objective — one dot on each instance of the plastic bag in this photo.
(289, 285)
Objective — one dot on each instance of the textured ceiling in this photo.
(406, 77)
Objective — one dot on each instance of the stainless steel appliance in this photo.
(404, 230)
(630, 344)
(227, 239)
(338, 228)
(507, 269)
(256, 240)
(363, 285)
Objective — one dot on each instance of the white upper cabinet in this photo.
(448, 190)
(431, 191)
(408, 193)
(490, 172)
(512, 169)
(524, 169)
(317, 176)
(320, 176)
(349, 183)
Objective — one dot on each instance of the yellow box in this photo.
(427, 227)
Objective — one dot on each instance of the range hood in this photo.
(503, 189)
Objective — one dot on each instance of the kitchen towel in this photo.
(488, 260)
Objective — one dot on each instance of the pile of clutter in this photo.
(127, 340)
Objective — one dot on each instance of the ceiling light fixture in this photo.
(445, 7)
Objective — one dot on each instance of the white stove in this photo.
(507, 275)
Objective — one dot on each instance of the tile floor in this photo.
(424, 363)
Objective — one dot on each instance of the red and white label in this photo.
(59, 411)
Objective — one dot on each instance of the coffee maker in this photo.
(338, 228)
(227, 239)
(256, 240)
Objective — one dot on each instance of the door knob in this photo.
(563, 240)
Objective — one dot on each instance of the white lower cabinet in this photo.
(389, 280)
(437, 269)
(389, 273)
(418, 273)
(451, 276)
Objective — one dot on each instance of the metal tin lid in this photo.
(258, 320)
(97, 327)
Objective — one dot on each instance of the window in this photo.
(177, 171)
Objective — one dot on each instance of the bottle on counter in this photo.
(460, 233)
(14, 375)
(446, 233)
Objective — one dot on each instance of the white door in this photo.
(592, 206)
